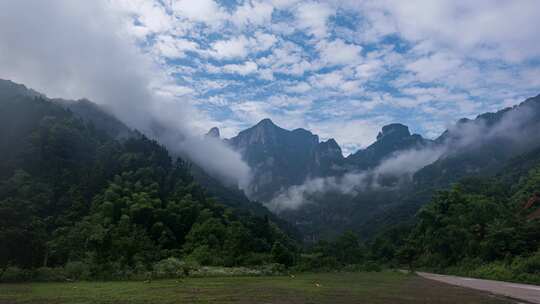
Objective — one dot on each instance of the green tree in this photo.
(281, 254)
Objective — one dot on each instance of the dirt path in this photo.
(529, 293)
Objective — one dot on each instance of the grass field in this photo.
(385, 287)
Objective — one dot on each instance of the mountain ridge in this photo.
(106, 123)
(283, 159)
(271, 151)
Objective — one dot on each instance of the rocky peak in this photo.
(394, 131)
(330, 145)
(265, 132)
(328, 150)
(393, 137)
(214, 133)
(266, 123)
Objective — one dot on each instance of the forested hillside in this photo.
(484, 227)
(481, 227)
(70, 194)
(82, 194)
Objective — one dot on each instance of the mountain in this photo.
(10, 90)
(214, 133)
(71, 193)
(97, 116)
(503, 143)
(483, 145)
(392, 138)
(17, 119)
(327, 159)
(83, 108)
(282, 158)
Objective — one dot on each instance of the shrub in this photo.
(494, 271)
(205, 256)
(257, 259)
(48, 274)
(173, 268)
(529, 265)
(220, 271)
(371, 266)
(281, 254)
(317, 262)
(77, 270)
(273, 269)
(15, 274)
(353, 268)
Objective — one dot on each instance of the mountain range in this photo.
(401, 170)
(318, 192)
(281, 158)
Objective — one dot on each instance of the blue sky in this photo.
(341, 69)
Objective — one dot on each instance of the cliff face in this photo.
(281, 158)
(278, 158)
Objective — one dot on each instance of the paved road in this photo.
(529, 293)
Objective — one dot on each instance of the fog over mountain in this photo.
(290, 167)
(318, 150)
(66, 53)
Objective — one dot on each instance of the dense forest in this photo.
(73, 197)
(77, 201)
(481, 227)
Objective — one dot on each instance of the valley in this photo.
(97, 200)
(269, 151)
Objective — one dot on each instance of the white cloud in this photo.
(242, 46)
(263, 41)
(287, 58)
(339, 52)
(250, 13)
(506, 29)
(327, 80)
(350, 134)
(152, 17)
(368, 69)
(251, 111)
(336, 80)
(172, 90)
(301, 87)
(93, 58)
(243, 69)
(207, 11)
(313, 17)
(467, 56)
(236, 47)
(171, 47)
(434, 67)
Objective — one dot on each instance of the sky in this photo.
(341, 69)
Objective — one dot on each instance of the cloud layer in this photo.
(329, 65)
(81, 49)
(341, 68)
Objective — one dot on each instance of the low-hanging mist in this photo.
(75, 49)
(517, 129)
(401, 165)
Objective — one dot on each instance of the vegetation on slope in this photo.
(481, 227)
(72, 195)
(77, 203)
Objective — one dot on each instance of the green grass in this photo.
(385, 287)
